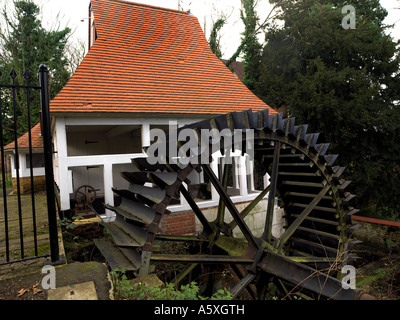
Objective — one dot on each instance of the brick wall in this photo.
(379, 234)
(186, 222)
(88, 228)
(39, 184)
(178, 223)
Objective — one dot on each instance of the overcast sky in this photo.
(73, 11)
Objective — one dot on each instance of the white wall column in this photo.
(214, 167)
(62, 163)
(108, 193)
(242, 176)
(145, 134)
(235, 166)
(12, 162)
(250, 172)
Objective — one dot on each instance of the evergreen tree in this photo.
(345, 84)
(251, 48)
(214, 38)
(25, 45)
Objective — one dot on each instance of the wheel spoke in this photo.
(189, 268)
(236, 269)
(230, 206)
(199, 214)
(249, 207)
(242, 284)
(221, 205)
(267, 235)
(293, 227)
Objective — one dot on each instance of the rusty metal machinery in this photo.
(84, 197)
(305, 259)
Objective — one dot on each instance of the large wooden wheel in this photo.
(305, 259)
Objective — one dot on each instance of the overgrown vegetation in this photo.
(124, 289)
(69, 223)
(381, 278)
(343, 83)
(8, 180)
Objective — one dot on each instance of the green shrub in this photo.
(125, 290)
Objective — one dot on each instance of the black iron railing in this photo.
(8, 102)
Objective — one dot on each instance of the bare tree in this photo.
(248, 35)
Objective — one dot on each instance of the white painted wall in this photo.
(69, 157)
(24, 171)
(75, 168)
(255, 220)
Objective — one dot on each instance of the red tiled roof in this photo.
(151, 60)
(23, 141)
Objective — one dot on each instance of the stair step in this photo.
(299, 174)
(161, 179)
(318, 232)
(316, 248)
(115, 258)
(304, 184)
(330, 222)
(144, 165)
(134, 210)
(153, 194)
(317, 208)
(306, 195)
(125, 234)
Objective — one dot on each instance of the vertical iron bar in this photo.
(267, 234)
(3, 171)
(15, 118)
(48, 160)
(27, 76)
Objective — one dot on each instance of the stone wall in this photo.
(380, 234)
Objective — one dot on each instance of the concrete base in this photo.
(80, 291)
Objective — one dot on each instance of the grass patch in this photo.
(8, 180)
(24, 216)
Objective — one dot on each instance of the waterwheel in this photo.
(305, 259)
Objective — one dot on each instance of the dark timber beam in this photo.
(296, 223)
(230, 206)
(267, 235)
